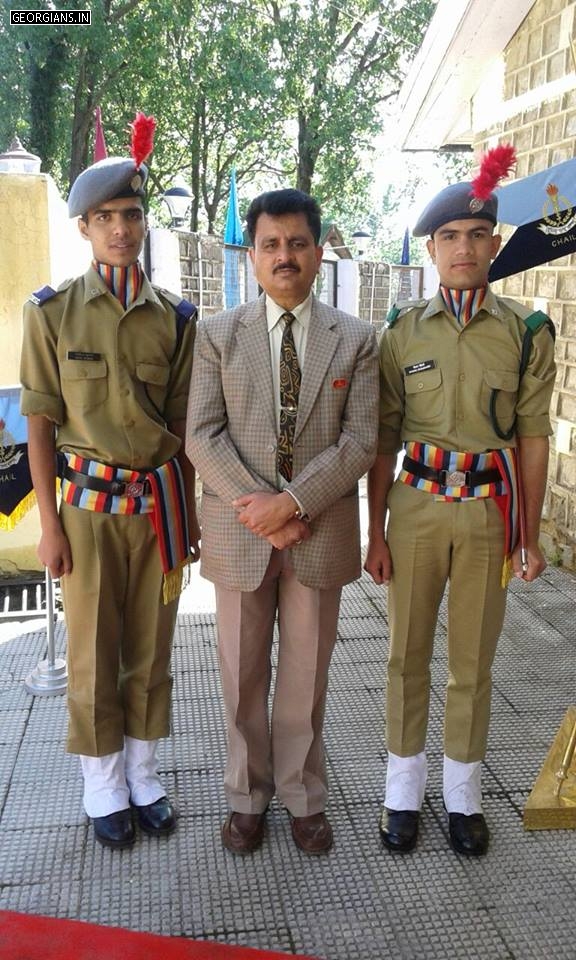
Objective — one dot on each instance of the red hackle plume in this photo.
(142, 142)
(495, 165)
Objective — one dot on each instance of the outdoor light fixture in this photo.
(360, 241)
(178, 199)
(17, 160)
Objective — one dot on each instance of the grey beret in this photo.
(455, 203)
(105, 180)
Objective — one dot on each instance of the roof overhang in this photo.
(462, 43)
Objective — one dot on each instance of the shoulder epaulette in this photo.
(533, 319)
(186, 309)
(539, 319)
(42, 295)
(183, 308)
(402, 307)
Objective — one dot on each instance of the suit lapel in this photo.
(321, 344)
(254, 345)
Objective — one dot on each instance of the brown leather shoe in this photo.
(243, 832)
(312, 834)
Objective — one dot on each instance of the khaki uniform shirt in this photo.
(111, 379)
(437, 377)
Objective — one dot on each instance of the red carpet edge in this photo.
(31, 937)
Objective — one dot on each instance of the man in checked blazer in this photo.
(275, 546)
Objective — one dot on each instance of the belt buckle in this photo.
(134, 489)
(456, 478)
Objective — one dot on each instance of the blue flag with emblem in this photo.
(405, 256)
(16, 493)
(233, 237)
(543, 208)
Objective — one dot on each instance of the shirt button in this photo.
(125, 392)
(420, 385)
(271, 447)
(462, 376)
(129, 423)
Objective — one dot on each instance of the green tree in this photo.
(215, 64)
(59, 74)
(337, 64)
(287, 91)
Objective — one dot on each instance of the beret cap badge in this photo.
(115, 177)
(469, 200)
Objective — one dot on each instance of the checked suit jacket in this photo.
(231, 439)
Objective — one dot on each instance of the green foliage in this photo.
(290, 92)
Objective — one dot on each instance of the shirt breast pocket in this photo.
(424, 394)
(84, 383)
(154, 378)
(499, 396)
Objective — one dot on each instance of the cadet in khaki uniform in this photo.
(105, 372)
(475, 428)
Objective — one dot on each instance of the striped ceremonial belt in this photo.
(91, 485)
(450, 474)
(493, 473)
(158, 492)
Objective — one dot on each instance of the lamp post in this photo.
(17, 160)
(360, 240)
(178, 199)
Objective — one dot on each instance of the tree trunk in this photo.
(44, 86)
(83, 117)
(307, 154)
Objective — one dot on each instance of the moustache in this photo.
(287, 266)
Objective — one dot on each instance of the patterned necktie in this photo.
(290, 378)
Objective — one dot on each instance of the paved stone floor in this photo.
(359, 902)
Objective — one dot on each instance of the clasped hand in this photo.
(271, 516)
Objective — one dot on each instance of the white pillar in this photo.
(165, 259)
(348, 287)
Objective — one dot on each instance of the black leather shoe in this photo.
(158, 818)
(116, 830)
(468, 834)
(399, 829)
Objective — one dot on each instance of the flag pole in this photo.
(50, 676)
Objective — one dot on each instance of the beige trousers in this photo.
(119, 632)
(282, 753)
(433, 543)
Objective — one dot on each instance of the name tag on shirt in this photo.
(82, 355)
(419, 367)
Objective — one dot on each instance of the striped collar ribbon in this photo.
(463, 304)
(123, 282)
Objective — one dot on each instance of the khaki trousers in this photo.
(431, 543)
(284, 754)
(119, 632)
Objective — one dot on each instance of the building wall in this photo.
(202, 263)
(202, 267)
(375, 294)
(539, 117)
(39, 245)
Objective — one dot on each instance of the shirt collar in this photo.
(94, 286)
(490, 305)
(302, 312)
